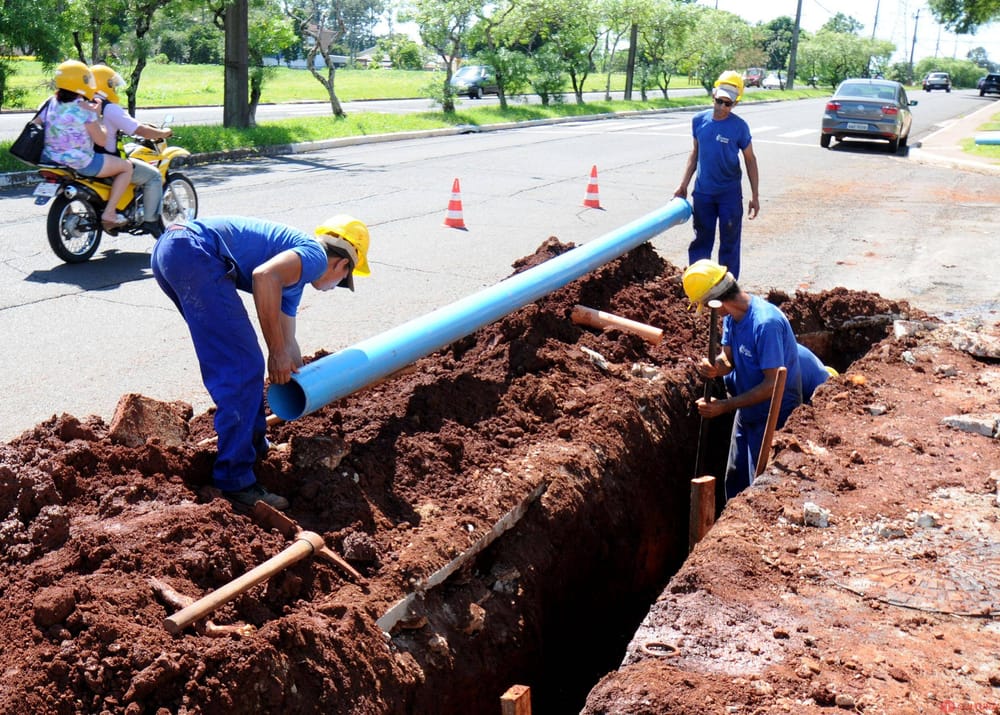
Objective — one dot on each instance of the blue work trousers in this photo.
(201, 283)
(744, 450)
(725, 210)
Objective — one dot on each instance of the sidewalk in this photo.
(943, 147)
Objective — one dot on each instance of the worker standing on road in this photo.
(719, 138)
(757, 339)
(200, 265)
(117, 120)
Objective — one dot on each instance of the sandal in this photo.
(118, 221)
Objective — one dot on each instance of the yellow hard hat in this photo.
(705, 280)
(732, 79)
(108, 81)
(347, 235)
(74, 76)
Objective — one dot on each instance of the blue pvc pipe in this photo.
(338, 375)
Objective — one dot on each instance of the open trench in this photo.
(541, 466)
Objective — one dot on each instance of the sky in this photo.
(894, 22)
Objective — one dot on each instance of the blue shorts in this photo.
(94, 167)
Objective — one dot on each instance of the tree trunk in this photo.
(236, 106)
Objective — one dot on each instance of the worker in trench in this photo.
(201, 265)
(757, 340)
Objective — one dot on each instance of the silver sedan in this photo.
(868, 109)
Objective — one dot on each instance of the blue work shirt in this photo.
(761, 340)
(719, 145)
(250, 242)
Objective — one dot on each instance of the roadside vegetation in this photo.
(173, 53)
(216, 138)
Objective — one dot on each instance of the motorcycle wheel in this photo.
(180, 201)
(74, 229)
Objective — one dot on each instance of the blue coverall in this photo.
(762, 339)
(718, 189)
(200, 266)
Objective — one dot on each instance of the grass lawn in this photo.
(188, 85)
(987, 151)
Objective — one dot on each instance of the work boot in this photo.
(244, 499)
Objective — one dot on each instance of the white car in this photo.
(774, 80)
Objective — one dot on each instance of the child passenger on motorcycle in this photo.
(116, 120)
(72, 128)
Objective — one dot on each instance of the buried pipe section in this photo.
(343, 373)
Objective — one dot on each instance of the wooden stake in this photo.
(582, 315)
(772, 421)
(516, 701)
(702, 509)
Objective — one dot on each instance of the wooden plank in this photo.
(400, 609)
(516, 701)
(702, 514)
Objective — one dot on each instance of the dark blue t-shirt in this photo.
(761, 340)
(719, 146)
(250, 242)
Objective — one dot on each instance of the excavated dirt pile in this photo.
(513, 505)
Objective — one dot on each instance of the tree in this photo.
(835, 56)
(708, 57)
(663, 42)
(27, 28)
(496, 27)
(443, 26)
(270, 33)
(127, 24)
(403, 52)
(320, 25)
(843, 24)
(360, 18)
(980, 58)
(619, 18)
(964, 16)
(548, 76)
(574, 30)
(778, 41)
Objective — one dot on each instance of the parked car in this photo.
(868, 109)
(990, 84)
(774, 80)
(753, 77)
(475, 81)
(937, 80)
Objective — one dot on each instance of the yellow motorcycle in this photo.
(74, 224)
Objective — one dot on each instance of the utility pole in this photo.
(790, 80)
(913, 43)
(874, 26)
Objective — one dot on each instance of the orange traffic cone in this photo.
(454, 217)
(593, 200)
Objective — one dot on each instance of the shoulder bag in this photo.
(29, 144)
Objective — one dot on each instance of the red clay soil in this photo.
(548, 464)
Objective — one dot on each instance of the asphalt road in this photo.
(78, 337)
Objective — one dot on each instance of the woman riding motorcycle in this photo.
(72, 128)
(116, 120)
